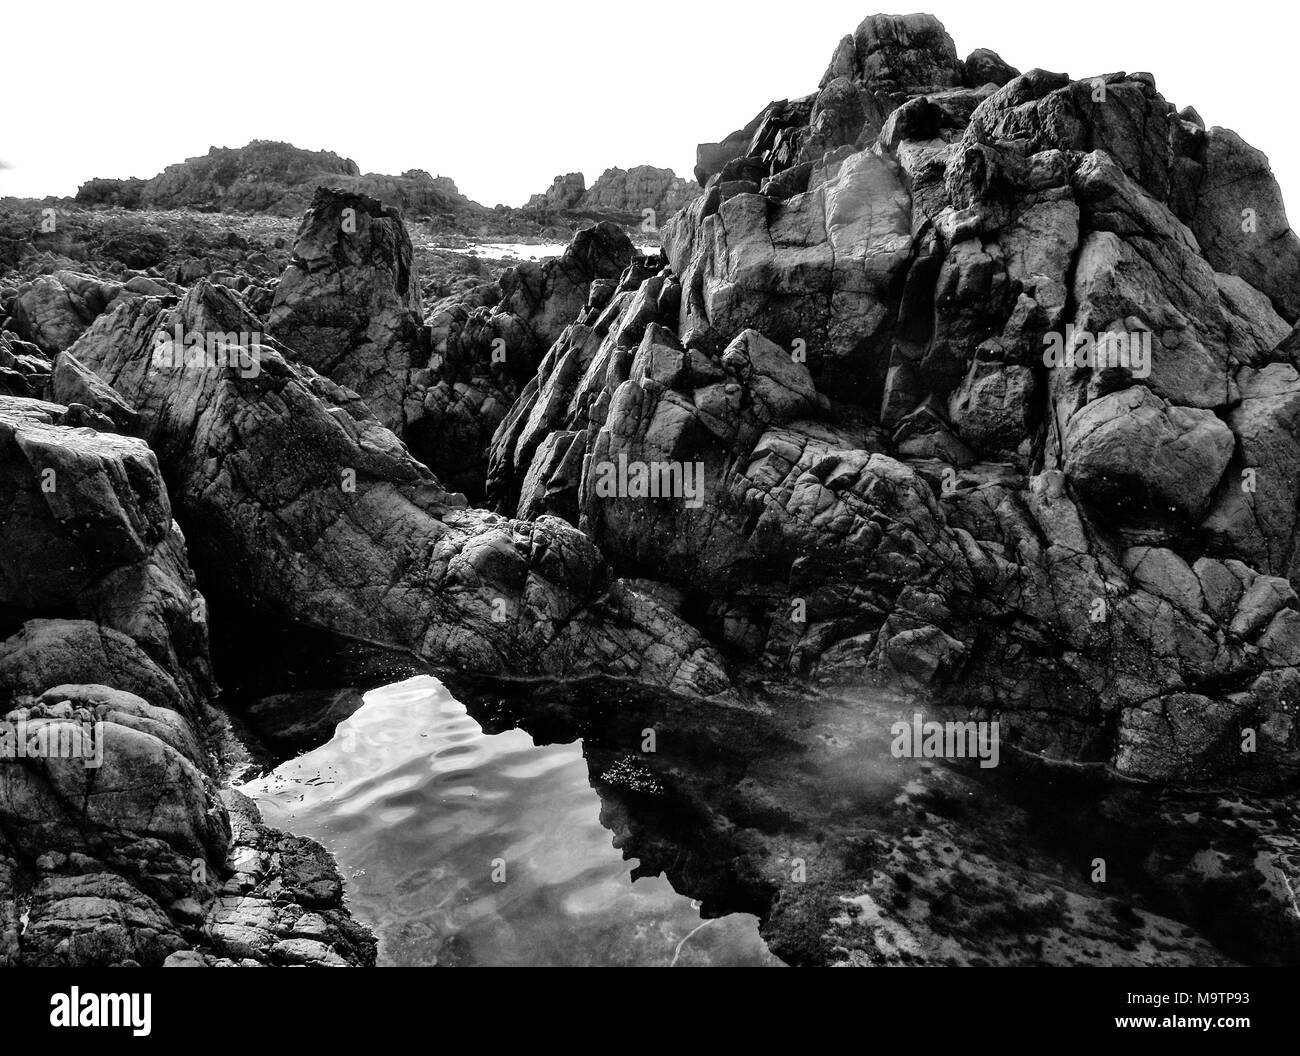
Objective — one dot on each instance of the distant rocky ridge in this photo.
(279, 179)
(275, 178)
(618, 192)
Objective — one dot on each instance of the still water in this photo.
(510, 250)
(461, 847)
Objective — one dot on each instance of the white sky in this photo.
(502, 95)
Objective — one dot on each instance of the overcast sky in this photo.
(502, 95)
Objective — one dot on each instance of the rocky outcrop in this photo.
(115, 846)
(971, 404)
(632, 191)
(263, 176)
(348, 306)
(888, 61)
(279, 179)
(122, 194)
(24, 368)
(565, 192)
(89, 533)
(414, 193)
(52, 311)
(643, 195)
(349, 303)
(315, 513)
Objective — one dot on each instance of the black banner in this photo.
(151, 1007)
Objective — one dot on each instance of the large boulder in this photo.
(1133, 451)
(844, 248)
(1254, 515)
(52, 311)
(88, 533)
(1240, 220)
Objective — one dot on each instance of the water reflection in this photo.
(782, 806)
(426, 812)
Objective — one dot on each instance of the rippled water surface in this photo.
(421, 808)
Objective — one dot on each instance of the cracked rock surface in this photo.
(847, 330)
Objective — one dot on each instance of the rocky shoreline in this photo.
(974, 385)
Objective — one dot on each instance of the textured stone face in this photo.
(564, 192)
(1131, 448)
(1241, 223)
(633, 191)
(1009, 357)
(54, 310)
(88, 532)
(348, 305)
(317, 512)
(108, 740)
(257, 176)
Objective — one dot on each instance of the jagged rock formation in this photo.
(348, 306)
(315, 513)
(637, 189)
(486, 347)
(348, 302)
(52, 311)
(850, 334)
(120, 851)
(992, 383)
(623, 193)
(565, 192)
